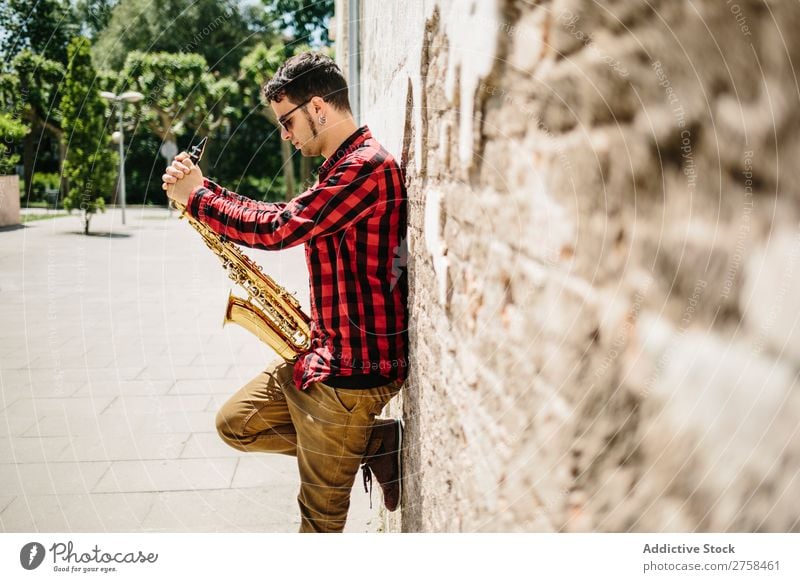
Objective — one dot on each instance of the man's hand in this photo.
(181, 177)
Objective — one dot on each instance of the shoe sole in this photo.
(400, 429)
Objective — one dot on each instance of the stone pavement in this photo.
(113, 363)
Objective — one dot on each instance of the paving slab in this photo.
(125, 387)
(134, 403)
(167, 475)
(201, 445)
(111, 512)
(86, 405)
(143, 447)
(113, 364)
(50, 478)
(226, 386)
(86, 423)
(5, 501)
(272, 508)
(15, 450)
(16, 425)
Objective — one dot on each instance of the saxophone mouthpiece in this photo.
(195, 154)
(196, 151)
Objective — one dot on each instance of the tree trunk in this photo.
(288, 168)
(305, 172)
(86, 218)
(27, 143)
(27, 163)
(63, 183)
(289, 179)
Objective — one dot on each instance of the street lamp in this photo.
(129, 97)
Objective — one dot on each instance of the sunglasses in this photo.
(284, 120)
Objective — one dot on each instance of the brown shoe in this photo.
(386, 463)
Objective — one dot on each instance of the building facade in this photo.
(602, 255)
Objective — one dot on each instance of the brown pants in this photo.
(327, 429)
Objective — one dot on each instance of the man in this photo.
(352, 221)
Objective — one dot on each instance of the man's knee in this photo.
(226, 428)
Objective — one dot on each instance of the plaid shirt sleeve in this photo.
(345, 196)
(224, 192)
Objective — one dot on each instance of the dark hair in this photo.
(307, 75)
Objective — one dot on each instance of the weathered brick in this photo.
(603, 294)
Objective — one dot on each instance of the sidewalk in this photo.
(113, 363)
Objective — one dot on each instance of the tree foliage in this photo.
(90, 164)
(43, 27)
(30, 91)
(258, 66)
(94, 15)
(11, 130)
(304, 21)
(33, 89)
(180, 94)
(215, 29)
(199, 63)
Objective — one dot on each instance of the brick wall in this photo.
(603, 260)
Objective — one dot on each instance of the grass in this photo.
(31, 217)
(35, 204)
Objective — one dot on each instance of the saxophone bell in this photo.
(269, 312)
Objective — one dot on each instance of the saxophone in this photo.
(269, 312)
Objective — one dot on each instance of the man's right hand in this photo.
(176, 171)
(181, 178)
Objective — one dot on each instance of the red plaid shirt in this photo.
(353, 223)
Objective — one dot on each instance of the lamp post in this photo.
(129, 97)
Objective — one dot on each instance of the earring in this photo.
(323, 120)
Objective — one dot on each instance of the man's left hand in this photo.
(180, 178)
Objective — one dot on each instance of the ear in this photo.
(319, 105)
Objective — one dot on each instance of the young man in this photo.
(352, 221)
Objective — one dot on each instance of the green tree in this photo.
(11, 130)
(216, 29)
(44, 27)
(260, 64)
(90, 164)
(256, 68)
(31, 91)
(306, 21)
(94, 15)
(180, 95)
(33, 43)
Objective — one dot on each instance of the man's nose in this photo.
(284, 133)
